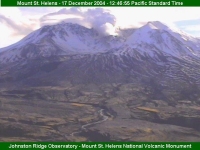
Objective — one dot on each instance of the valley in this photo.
(49, 114)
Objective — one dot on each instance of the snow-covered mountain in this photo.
(163, 39)
(69, 52)
(60, 39)
(70, 39)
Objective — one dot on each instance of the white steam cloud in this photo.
(98, 18)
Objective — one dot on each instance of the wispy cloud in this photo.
(14, 25)
(18, 29)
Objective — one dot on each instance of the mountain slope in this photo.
(61, 39)
(70, 39)
(69, 53)
(165, 40)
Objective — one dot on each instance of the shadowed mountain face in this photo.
(150, 71)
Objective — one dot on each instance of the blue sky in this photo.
(15, 23)
(190, 26)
